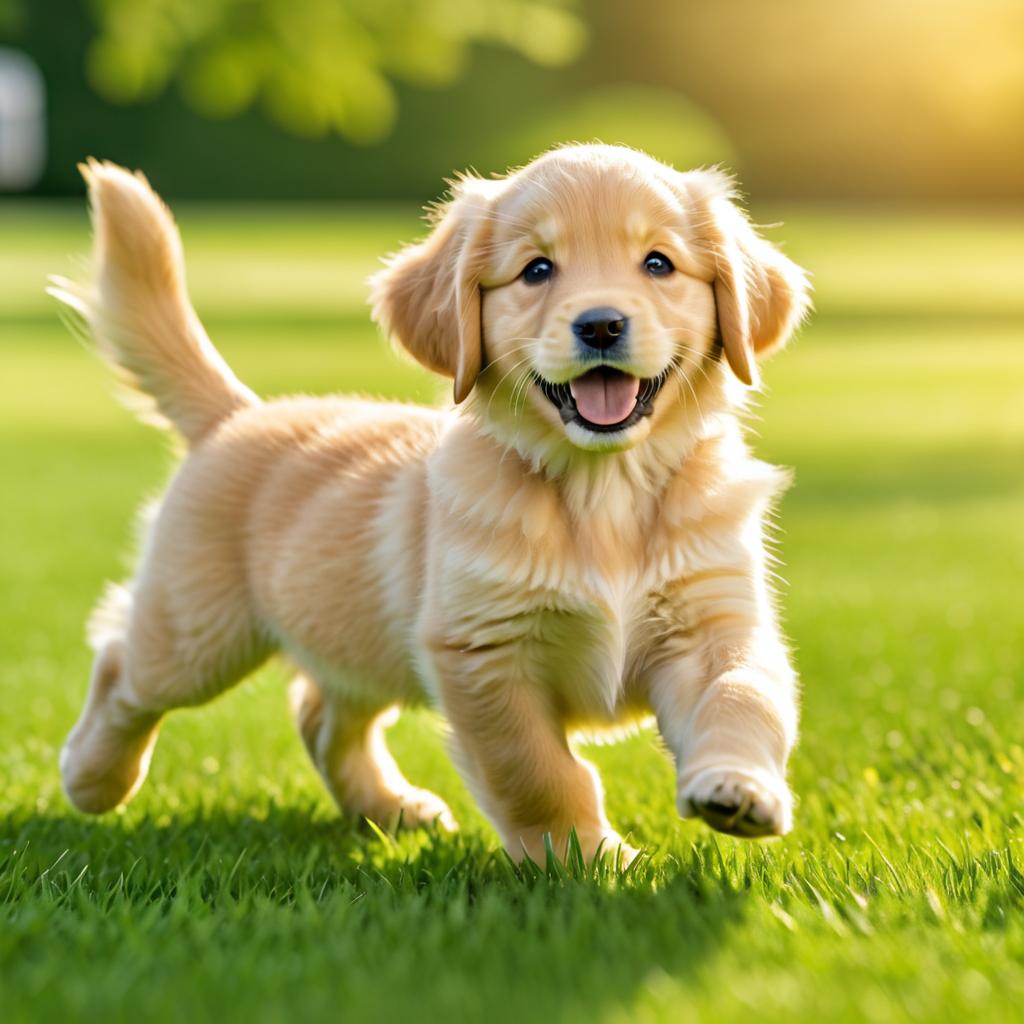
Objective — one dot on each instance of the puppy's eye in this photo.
(658, 265)
(537, 271)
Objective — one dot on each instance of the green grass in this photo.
(230, 888)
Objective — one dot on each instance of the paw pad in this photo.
(738, 802)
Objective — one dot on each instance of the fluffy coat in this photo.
(526, 575)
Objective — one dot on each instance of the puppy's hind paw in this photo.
(738, 801)
(415, 808)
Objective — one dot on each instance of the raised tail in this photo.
(138, 310)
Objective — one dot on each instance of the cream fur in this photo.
(528, 578)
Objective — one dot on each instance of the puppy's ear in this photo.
(427, 297)
(761, 295)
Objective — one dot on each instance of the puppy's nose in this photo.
(601, 327)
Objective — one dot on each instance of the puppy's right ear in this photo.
(427, 297)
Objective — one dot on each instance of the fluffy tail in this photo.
(138, 310)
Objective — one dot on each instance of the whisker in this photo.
(678, 372)
(497, 387)
(519, 392)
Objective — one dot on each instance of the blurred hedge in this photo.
(880, 99)
(501, 111)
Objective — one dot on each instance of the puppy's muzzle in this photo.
(601, 327)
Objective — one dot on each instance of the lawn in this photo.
(230, 888)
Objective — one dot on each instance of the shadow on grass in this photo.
(287, 912)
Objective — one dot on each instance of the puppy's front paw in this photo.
(738, 801)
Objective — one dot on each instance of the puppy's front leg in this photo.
(512, 749)
(725, 698)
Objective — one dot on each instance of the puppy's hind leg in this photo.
(106, 756)
(148, 661)
(345, 740)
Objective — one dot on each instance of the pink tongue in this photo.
(605, 396)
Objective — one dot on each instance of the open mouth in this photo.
(604, 399)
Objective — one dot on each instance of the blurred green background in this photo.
(874, 99)
(296, 140)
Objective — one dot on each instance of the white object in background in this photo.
(22, 122)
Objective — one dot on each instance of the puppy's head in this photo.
(590, 293)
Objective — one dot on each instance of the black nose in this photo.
(600, 328)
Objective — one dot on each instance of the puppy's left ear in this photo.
(427, 298)
(761, 296)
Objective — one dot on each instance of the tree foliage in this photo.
(314, 66)
(12, 14)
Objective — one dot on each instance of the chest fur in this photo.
(582, 591)
(583, 610)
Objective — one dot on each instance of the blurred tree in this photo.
(314, 66)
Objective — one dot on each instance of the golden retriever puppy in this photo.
(576, 544)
